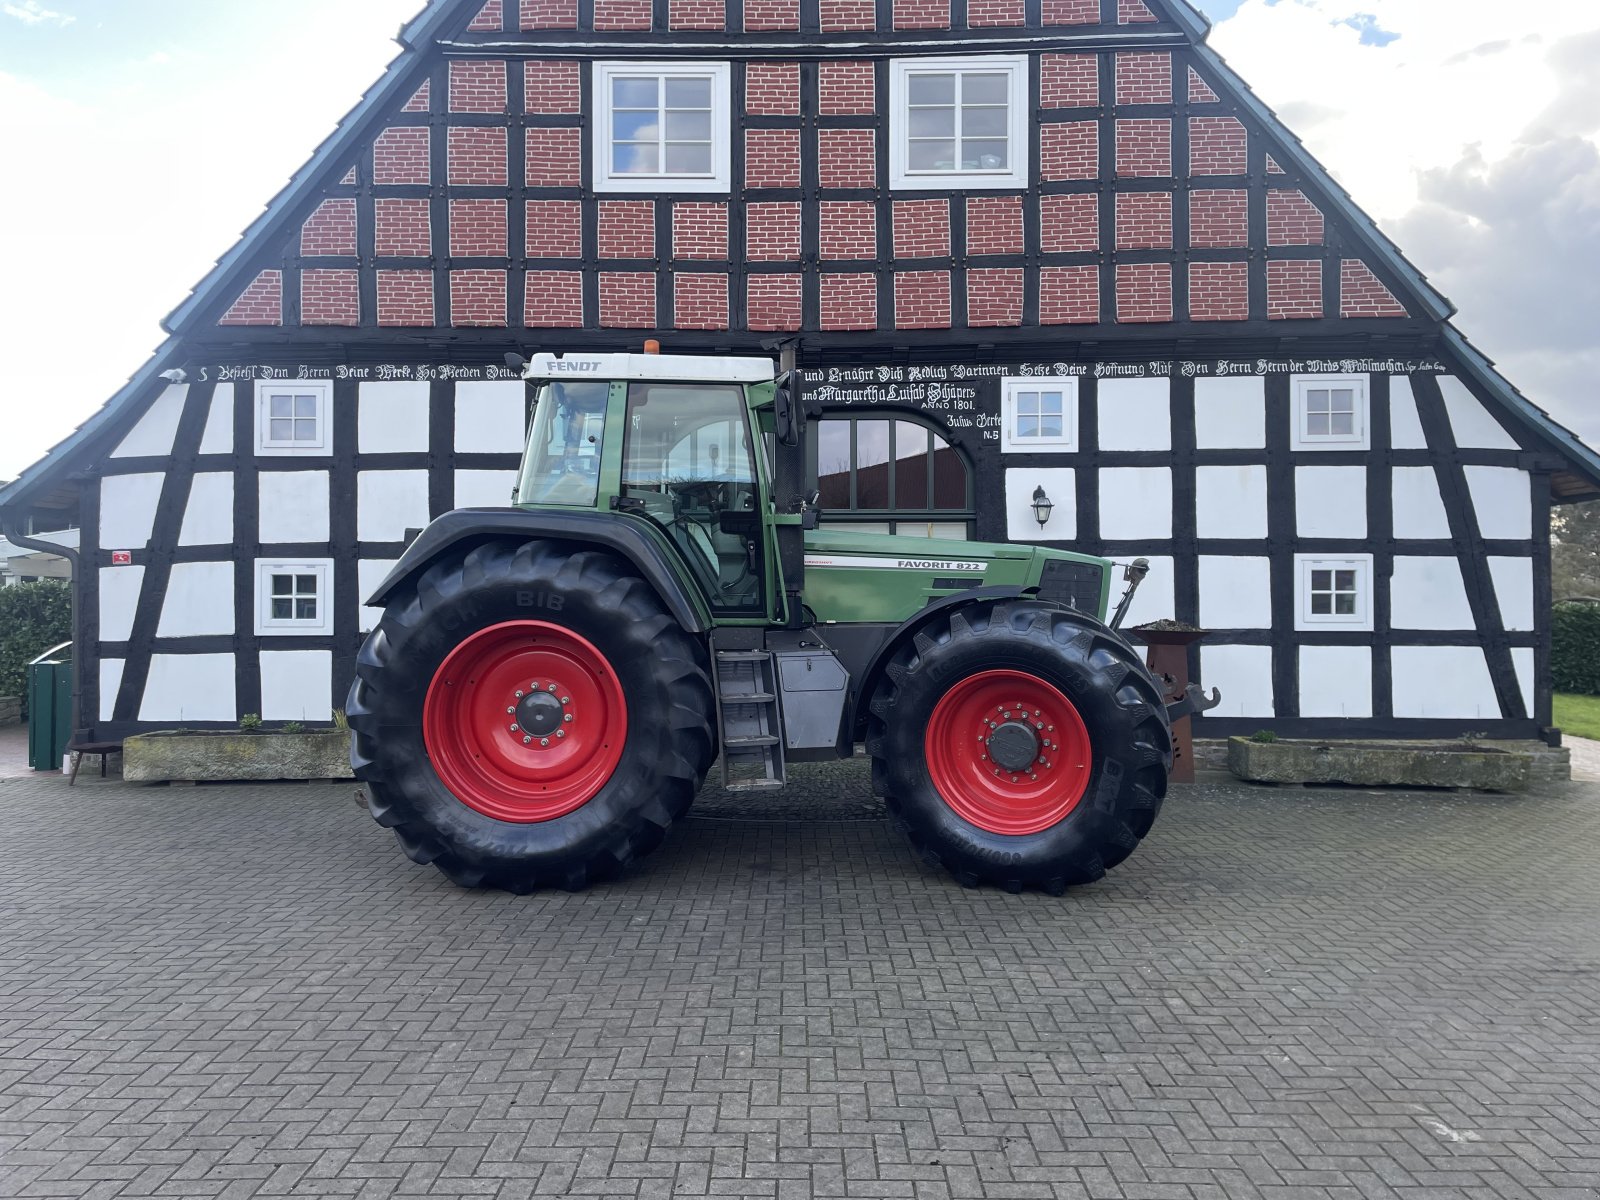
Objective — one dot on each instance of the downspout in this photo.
(8, 527)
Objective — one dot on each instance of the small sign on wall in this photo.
(122, 558)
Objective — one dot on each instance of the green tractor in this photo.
(550, 683)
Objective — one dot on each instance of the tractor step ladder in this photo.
(748, 721)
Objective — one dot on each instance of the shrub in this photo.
(1575, 648)
(1263, 735)
(250, 723)
(33, 617)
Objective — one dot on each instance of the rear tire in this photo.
(1080, 805)
(438, 758)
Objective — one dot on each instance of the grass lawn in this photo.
(1578, 715)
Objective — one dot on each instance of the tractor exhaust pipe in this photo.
(1134, 576)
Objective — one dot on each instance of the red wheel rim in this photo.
(524, 721)
(961, 742)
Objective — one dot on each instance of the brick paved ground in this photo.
(247, 991)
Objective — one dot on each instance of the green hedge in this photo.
(1575, 652)
(33, 617)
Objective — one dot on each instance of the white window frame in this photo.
(1300, 388)
(266, 445)
(1361, 619)
(269, 626)
(720, 178)
(1010, 389)
(902, 178)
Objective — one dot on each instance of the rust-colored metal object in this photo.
(1168, 660)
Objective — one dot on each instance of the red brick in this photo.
(847, 89)
(627, 229)
(848, 229)
(772, 158)
(259, 304)
(404, 228)
(1144, 221)
(1069, 80)
(922, 300)
(1294, 289)
(697, 14)
(700, 230)
(477, 228)
(772, 302)
(1144, 78)
(922, 14)
(840, 16)
(611, 16)
(771, 14)
(1144, 292)
(1199, 90)
(478, 157)
(1069, 150)
(772, 231)
(490, 19)
(772, 89)
(847, 158)
(994, 296)
(553, 300)
(1272, 166)
(1133, 12)
(849, 302)
(1219, 219)
(400, 158)
(994, 225)
(349, 178)
(700, 301)
(1144, 148)
(1219, 291)
(405, 298)
(987, 13)
(1069, 224)
(548, 14)
(627, 300)
(330, 297)
(1069, 295)
(554, 229)
(477, 298)
(1292, 220)
(421, 100)
(1070, 12)
(1218, 146)
(477, 85)
(553, 157)
(921, 229)
(331, 230)
(550, 87)
(1362, 294)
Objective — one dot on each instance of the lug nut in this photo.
(513, 729)
(519, 695)
(561, 733)
(553, 688)
(567, 717)
(509, 711)
(544, 741)
(526, 740)
(566, 700)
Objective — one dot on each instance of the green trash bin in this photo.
(50, 708)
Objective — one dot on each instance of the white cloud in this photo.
(31, 12)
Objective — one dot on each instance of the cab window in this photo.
(563, 460)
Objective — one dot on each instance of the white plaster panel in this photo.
(1156, 598)
(1335, 681)
(392, 418)
(1230, 414)
(1405, 426)
(1447, 682)
(294, 507)
(1135, 503)
(128, 510)
(1230, 502)
(119, 598)
(110, 685)
(1503, 498)
(1330, 502)
(1471, 423)
(484, 489)
(491, 417)
(1135, 414)
(218, 436)
(1418, 504)
(199, 600)
(1522, 660)
(1061, 485)
(1244, 674)
(390, 502)
(296, 685)
(1235, 592)
(157, 430)
(1428, 593)
(190, 687)
(370, 572)
(1513, 587)
(208, 520)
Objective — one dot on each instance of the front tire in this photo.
(528, 715)
(1021, 745)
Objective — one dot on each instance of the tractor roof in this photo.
(688, 368)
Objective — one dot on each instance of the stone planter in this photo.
(229, 756)
(1381, 764)
(10, 710)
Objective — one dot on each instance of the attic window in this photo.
(662, 127)
(292, 417)
(1330, 412)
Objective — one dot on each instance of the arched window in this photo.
(890, 474)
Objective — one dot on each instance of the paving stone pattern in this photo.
(246, 991)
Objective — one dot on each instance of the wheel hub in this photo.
(1013, 746)
(539, 714)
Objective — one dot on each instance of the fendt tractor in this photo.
(551, 682)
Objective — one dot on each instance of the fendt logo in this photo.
(562, 364)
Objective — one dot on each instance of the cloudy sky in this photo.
(152, 133)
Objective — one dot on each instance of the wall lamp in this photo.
(1043, 506)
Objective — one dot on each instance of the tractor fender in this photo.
(465, 527)
(907, 629)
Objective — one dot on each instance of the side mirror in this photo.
(788, 418)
